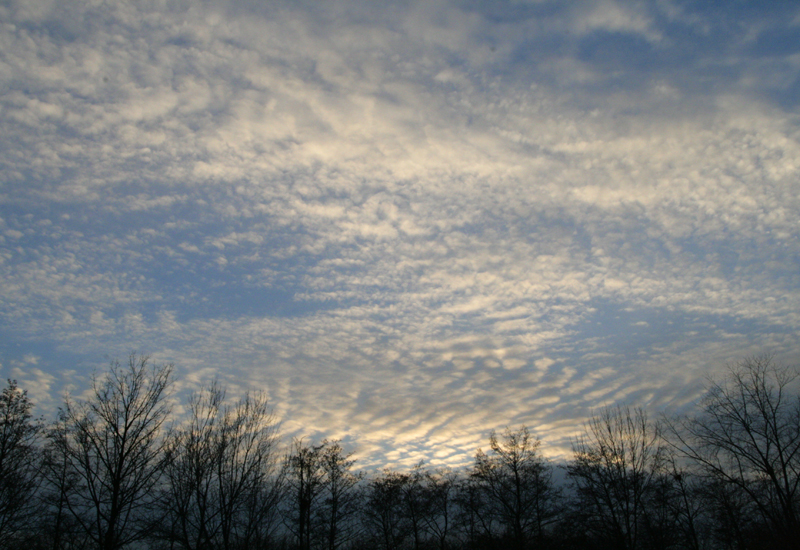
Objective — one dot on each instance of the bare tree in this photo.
(747, 437)
(112, 446)
(340, 496)
(687, 504)
(190, 502)
(735, 522)
(247, 468)
(223, 476)
(306, 477)
(414, 501)
(384, 513)
(57, 525)
(517, 485)
(474, 521)
(19, 464)
(615, 468)
(440, 492)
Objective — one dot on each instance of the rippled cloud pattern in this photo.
(409, 223)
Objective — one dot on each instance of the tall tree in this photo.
(19, 464)
(747, 438)
(475, 525)
(305, 477)
(686, 503)
(57, 526)
(112, 444)
(190, 502)
(223, 477)
(247, 468)
(517, 486)
(384, 512)
(440, 491)
(340, 498)
(615, 469)
(413, 498)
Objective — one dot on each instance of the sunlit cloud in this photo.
(407, 224)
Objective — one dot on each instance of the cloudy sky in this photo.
(408, 222)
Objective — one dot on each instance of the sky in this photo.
(407, 223)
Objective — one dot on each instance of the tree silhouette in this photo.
(223, 480)
(615, 469)
(306, 477)
(340, 497)
(384, 511)
(19, 464)
(112, 446)
(517, 485)
(747, 437)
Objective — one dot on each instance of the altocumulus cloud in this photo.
(408, 223)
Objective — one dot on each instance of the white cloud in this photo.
(411, 224)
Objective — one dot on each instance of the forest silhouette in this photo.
(118, 470)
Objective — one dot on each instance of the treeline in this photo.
(117, 471)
